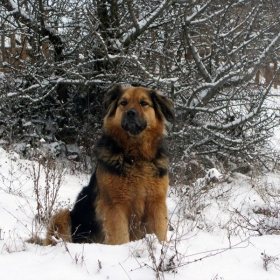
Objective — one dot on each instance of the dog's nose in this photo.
(132, 123)
(131, 113)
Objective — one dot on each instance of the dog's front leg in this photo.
(115, 224)
(156, 219)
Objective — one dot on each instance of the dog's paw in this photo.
(140, 252)
(145, 247)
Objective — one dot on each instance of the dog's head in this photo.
(136, 109)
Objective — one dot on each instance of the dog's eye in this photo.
(144, 103)
(123, 103)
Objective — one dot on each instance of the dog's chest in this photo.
(139, 181)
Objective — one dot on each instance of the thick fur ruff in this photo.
(126, 196)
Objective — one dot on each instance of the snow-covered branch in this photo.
(195, 54)
(32, 23)
(145, 23)
(132, 15)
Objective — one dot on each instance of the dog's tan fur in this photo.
(59, 228)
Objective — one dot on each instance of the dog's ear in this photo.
(112, 97)
(163, 106)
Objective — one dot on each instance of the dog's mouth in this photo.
(131, 122)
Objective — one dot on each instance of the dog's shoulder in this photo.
(161, 161)
(110, 155)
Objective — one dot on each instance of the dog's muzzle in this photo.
(131, 122)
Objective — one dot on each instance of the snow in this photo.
(201, 249)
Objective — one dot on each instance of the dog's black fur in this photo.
(84, 224)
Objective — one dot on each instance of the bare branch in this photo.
(145, 23)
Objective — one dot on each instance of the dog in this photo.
(126, 195)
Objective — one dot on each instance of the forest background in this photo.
(217, 61)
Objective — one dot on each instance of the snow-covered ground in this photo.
(216, 244)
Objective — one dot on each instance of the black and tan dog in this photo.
(126, 196)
